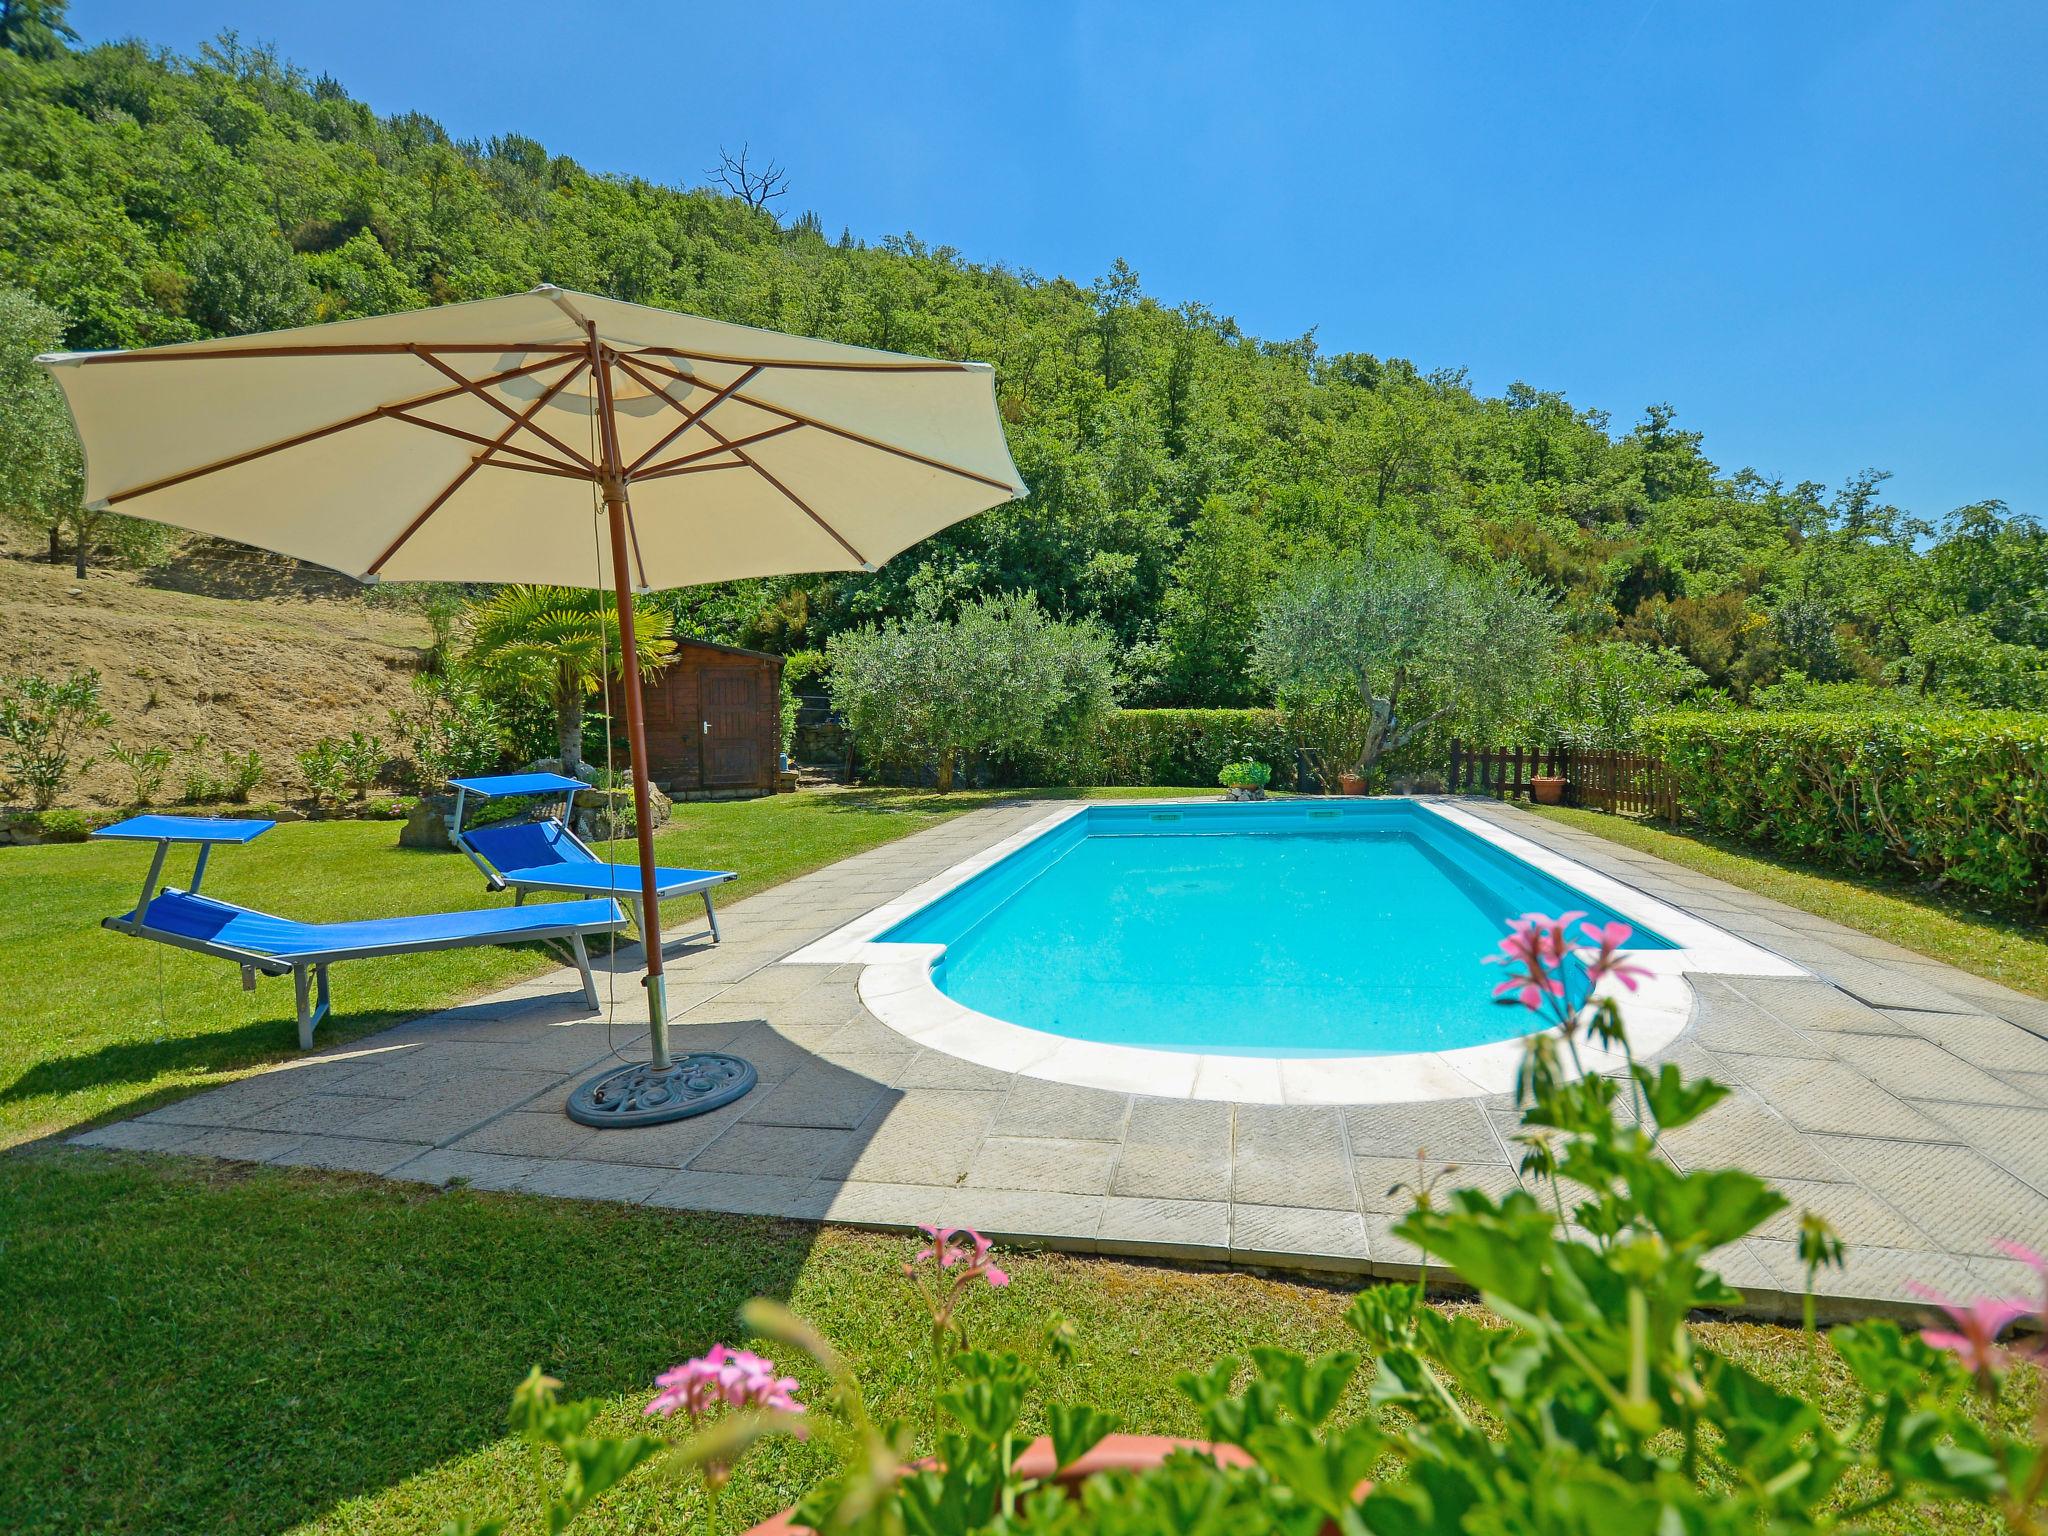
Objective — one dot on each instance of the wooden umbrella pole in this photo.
(617, 509)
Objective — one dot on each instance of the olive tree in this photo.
(42, 477)
(1004, 677)
(1364, 652)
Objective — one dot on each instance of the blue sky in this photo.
(1819, 230)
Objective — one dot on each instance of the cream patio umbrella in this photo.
(555, 437)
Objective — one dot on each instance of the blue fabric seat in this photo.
(258, 941)
(545, 855)
(229, 926)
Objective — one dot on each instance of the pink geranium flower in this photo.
(1607, 959)
(738, 1378)
(1978, 1323)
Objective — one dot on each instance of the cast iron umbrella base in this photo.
(643, 1094)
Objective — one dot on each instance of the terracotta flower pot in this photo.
(1129, 1453)
(1547, 790)
(1350, 784)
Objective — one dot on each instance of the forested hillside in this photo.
(1176, 464)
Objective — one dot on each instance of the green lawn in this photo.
(1949, 927)
(94, 1024)
(203, 1348)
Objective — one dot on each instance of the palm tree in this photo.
(563, 639)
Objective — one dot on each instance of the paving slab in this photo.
(1903, 1100)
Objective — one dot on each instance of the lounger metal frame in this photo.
(627, 891)
(309, 971)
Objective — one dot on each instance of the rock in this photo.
(609, 812)
(427, 826)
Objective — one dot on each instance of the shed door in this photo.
(740, 725)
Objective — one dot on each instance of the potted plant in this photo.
(1548, 789)
(1350, 783)
(1245, 780)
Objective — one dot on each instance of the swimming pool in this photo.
(1280, 929)
(1309, 952)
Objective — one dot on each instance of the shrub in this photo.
(360, 760)
(1961, 800)
(1596, 697)
(321, 767)
(147, 768)
(240, 773)
(42, 723)
(1366, 652)
(1190, 746)
(450, 730)
(1003, 680)
(1244, 776)
(63, 825)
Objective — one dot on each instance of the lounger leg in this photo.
(583, 965)
(711, 914)
(309, 985)
(519, 896)
(639, 917)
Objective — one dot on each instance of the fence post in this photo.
(1453, 786)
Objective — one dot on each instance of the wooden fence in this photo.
(1631, 783)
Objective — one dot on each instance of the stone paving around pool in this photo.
(1902, 1099)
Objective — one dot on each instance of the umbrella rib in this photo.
(813, 365)
(673, 466)
(309, 349)
(518, 419)
(477, 462)
(728, 444)
(555, 465)
(665, 473)
(691, 420)
(378, 413)
(851, 436)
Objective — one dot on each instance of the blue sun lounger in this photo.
(275, 946)
(545, 855)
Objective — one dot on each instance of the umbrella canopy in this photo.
(457, 444)
(475, 442)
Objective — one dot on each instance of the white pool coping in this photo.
(897, 988)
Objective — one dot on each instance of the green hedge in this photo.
(1960, 800)
(1190, 746)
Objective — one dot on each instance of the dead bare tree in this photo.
(756, 187)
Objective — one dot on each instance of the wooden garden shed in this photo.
(714, 722)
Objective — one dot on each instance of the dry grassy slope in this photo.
(251, 649)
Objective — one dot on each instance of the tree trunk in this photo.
(78, 561)
(945, 777)
(569, 732)
(56, 554)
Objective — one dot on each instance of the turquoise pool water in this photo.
(1288, 929)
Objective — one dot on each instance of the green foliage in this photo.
(146, 768)
(320, 767)
(240, 772)
(1365, 653)
(199, 780)
(1244, 775)
(41, 473)
(1176, 463)
(63, 825)
(1191, 746)
(449, 730)
(561, 644)
(1596, 696)
(1003, 680)
(1960, 800)
(43, 723)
